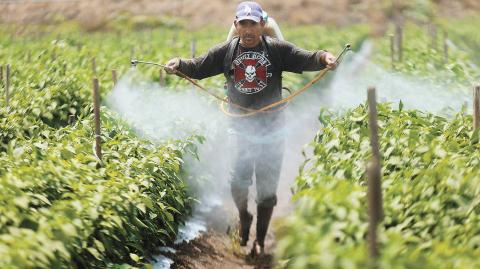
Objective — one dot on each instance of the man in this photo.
(252, 65)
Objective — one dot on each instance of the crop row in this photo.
(59, 208)
(429, 178)
(430, 186)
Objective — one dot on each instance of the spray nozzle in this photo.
(347, 48)
(135, 62)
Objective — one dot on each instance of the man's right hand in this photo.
(172, 65)
(329, 60)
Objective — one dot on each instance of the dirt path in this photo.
(215, 250)
(219, 247)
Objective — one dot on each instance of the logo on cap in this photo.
(248, 11)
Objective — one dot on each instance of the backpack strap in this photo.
(272, 52)
(227, 61)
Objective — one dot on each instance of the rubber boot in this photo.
(264, 214)
(240, 197)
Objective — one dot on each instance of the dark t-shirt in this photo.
(254, 79)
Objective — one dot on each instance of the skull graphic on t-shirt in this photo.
(251, 72)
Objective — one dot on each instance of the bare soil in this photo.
(219, 246)
(217, 250)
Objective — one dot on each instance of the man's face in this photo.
(249, 32)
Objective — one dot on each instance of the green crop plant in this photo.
(58, 207)
(429, 173)
(430, 188)
(59, 211)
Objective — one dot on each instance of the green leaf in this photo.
(134, 257)
(94, 253)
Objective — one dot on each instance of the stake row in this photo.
(374, 183)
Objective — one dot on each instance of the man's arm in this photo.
(206, 65)
(297, 60)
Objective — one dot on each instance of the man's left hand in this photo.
(329, 60)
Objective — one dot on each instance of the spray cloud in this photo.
(158, 114)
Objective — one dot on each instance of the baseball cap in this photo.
(249, 11)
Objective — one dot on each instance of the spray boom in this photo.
(135, 62)
(250, 111)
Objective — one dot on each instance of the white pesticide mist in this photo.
(349, 87)
(158, 114)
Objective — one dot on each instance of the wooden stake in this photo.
(399, 36)
(7, 85)
(375, 204)
(372, 107)
(132, 53)
(162, 77)
(114, 77)
(96, 111)
(1, 75)
(193, 47)
(476, 108)
(392, 50)
(433, 33)
(445, 47)
(94, 66)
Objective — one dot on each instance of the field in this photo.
(63, 206)
(429, 176)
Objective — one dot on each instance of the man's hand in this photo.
(329, 60)
(172, 66)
